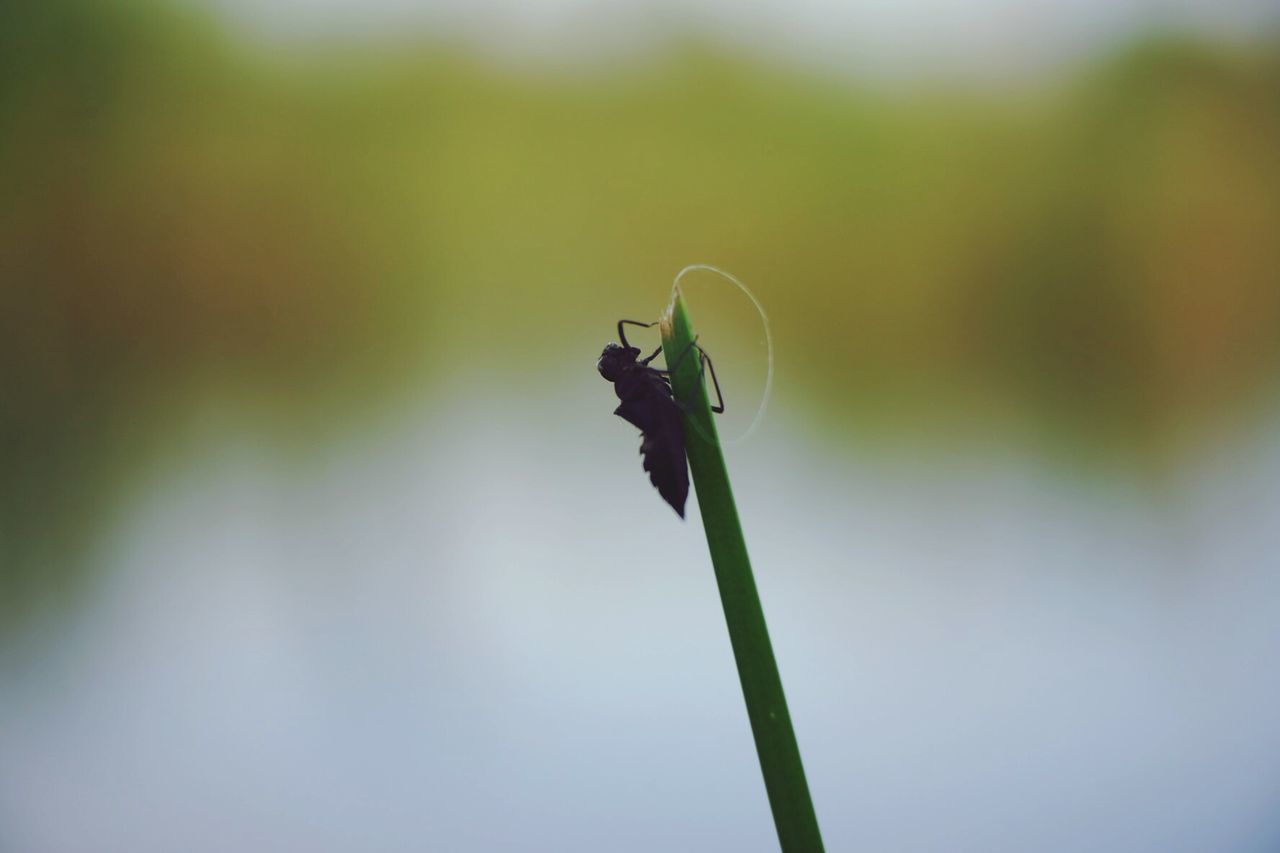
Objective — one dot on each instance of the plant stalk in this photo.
(784, 779)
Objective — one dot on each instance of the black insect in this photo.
(648, 403)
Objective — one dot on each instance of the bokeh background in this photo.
(317, 533)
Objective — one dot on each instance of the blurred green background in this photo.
(380, 248)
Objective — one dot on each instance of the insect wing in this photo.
(664, 455)
(648, 405)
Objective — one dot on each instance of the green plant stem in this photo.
(784, 779)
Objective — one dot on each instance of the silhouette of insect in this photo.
(648, 403)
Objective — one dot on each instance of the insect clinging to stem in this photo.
(649, 404)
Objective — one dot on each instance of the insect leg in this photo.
(652, 356)
(680, 358)
(622, 336)
(704, 365)
(706, 362)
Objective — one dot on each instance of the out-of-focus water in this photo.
(460, 632)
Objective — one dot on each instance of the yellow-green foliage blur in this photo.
(184, 211)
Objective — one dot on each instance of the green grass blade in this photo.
(784, 780)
